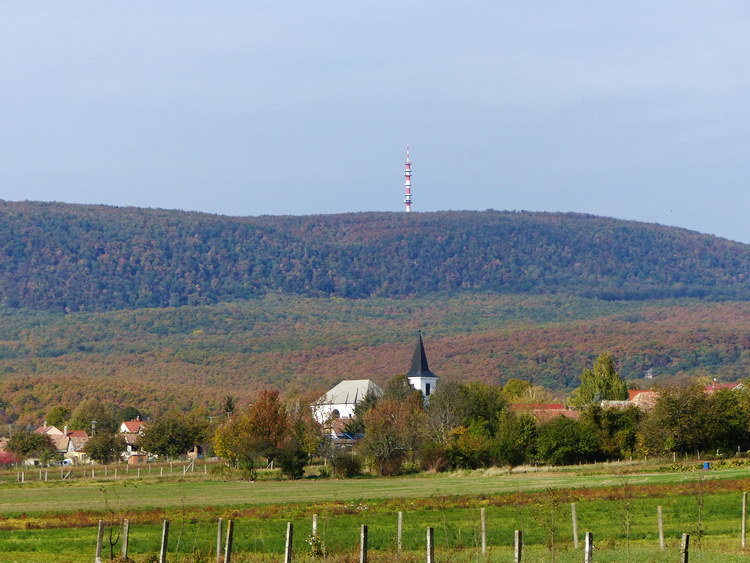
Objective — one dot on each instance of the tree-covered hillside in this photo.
(187, 356)
(72, 257)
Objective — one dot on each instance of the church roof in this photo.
(350, 392)
(419, 367)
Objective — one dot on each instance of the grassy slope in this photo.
(195, 355)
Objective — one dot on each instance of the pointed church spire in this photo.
(419, 367)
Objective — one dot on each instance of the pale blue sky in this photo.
(637, 109)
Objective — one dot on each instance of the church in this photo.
(340, 401)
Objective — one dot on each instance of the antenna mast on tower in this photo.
(407, 181)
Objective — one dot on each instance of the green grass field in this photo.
(53, 522)
(150, 493)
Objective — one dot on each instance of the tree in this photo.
(292, 459)
(94, 410)
(105, 447)
(128, 413)
(515, 439)
(564, 441)
(268, 421)
(618, 429)
(469, 448)
(599, 384)
(679, 422)
(228, 406)
(357, 425)
(399, 389)
(486, 404)
(393, 430)
(260, 430)
(28, 444)
(515, 388)
(173, 434)
(448, 409)
(729, 419)
(58, 416)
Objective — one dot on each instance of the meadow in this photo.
(56, 522)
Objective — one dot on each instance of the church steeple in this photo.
(419, 366)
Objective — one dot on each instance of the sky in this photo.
(637, 110)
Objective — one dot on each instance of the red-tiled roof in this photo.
(133, 426)
(715, 386)
(78, 434)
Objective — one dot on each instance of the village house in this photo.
(69, 444)
(131, 430)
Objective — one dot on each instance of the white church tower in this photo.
(420, 376)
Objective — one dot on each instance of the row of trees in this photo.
(462, 426)
(471, 426)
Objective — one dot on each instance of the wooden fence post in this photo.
(518, 547)
(483, 518)
(161, 471)
(661, 526)
(588, 548)
(363, 544)
(219, 533)
(288, 548)
(315, 526)
(164, 542)
(125, 538)
(430, 545)
(684, 548)
(744, 520)
(574, 518)
(99, 539)
(230, 539)
(400, 532)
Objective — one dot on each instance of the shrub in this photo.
(292, 461)
(433, 457)
(347, 466)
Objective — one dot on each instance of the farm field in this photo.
(261, 537)
(35, 497)
(57, 522)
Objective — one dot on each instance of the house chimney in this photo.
(65, 430)
(45, 424)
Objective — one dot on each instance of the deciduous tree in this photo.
(105, 447)
(600, 383)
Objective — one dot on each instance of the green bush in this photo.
(347, 466)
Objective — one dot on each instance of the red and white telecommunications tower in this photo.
(407, 181)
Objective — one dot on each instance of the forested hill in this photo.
(73, 257)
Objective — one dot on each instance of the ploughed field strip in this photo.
(136, 495)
